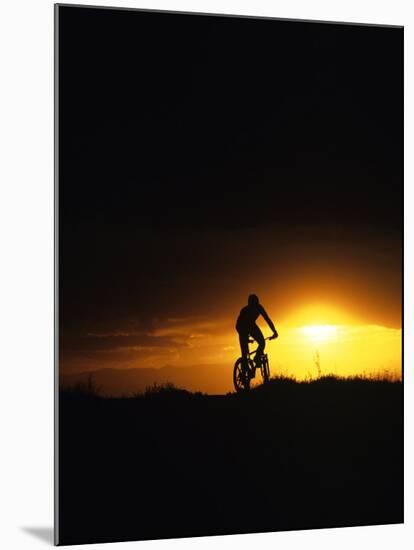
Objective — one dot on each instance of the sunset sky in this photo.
(205, 158)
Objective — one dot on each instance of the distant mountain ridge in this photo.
(118, 382)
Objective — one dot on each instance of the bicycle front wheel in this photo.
(241, 375)
(265, 370)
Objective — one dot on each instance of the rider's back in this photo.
(247, 317)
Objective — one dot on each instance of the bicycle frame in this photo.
(255, 350)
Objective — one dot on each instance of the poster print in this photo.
(229, 274)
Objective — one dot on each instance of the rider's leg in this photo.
(244, 343)
(244, 347)
(257, 334)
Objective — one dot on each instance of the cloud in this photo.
(164, 341)
(118, 341)
(189, 327)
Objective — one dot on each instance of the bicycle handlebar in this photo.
(251, 341)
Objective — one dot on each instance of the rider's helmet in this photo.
(253, 300)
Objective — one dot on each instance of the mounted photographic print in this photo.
(229, 200)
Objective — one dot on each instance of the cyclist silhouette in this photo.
(246, 327)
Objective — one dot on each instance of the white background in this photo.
(26, 270)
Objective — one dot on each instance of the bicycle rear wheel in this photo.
(241, 375)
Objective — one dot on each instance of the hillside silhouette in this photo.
(289, 455)
(117, 382)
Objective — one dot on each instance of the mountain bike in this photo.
(245, 369)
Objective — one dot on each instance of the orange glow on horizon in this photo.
(314, 339)
(319, 314)
(319, 333)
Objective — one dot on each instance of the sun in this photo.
(319, 333)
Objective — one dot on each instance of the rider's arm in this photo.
(268, 320)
